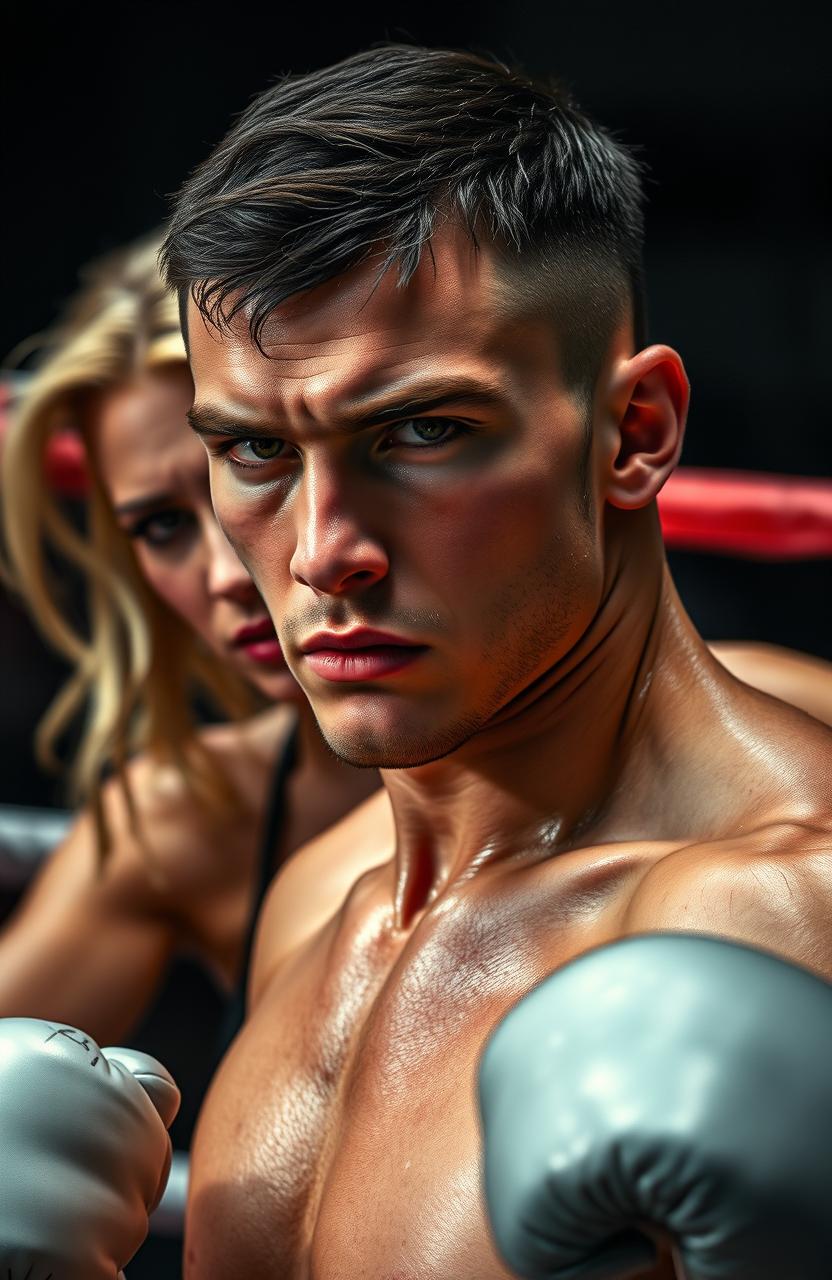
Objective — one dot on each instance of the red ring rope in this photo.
(751, 514)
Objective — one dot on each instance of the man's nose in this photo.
(228, 578)
(335, 553)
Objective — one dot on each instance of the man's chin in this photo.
(366, 748)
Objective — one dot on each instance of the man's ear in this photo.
(649, 398)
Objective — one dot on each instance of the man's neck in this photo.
(578, 757)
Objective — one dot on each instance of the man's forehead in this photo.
(355, 331)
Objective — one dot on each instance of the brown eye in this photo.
(259, 449)
(265, 449)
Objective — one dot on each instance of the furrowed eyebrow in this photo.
(210, 420)
(425, 399)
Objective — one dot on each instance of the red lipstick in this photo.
(260, 642)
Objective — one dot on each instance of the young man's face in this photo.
(410, 464)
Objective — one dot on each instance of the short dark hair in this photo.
(324, 170)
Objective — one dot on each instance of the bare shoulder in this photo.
(770, 887)
(767, 762)
(168, 840)
(314, 883)
(244, 751)
(155, 826)
(800, 679)
(152, 826)
(247, 749)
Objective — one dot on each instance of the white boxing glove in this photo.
(84, 1151)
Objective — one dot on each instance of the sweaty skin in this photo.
(565, 761)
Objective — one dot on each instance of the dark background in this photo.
(106, 108)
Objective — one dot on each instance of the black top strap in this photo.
(271, 856)
(271, 852)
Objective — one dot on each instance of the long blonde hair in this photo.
(136, 665)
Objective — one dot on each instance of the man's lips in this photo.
(359, 638)
(362, 654)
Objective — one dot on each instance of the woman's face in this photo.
(155, 472)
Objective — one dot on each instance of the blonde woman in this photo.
(180, 828)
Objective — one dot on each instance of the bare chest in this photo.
(342, 1136)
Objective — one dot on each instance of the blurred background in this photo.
(107, 107)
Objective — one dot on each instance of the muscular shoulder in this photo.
(771, 888)
(314, 883)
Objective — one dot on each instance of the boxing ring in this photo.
(757, 516)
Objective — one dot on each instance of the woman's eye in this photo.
(162, 527)
(421, 432)
(258, 449)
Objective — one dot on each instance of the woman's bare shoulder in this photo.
(246, 751)
(162, 829)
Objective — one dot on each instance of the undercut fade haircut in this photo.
(369, 157)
